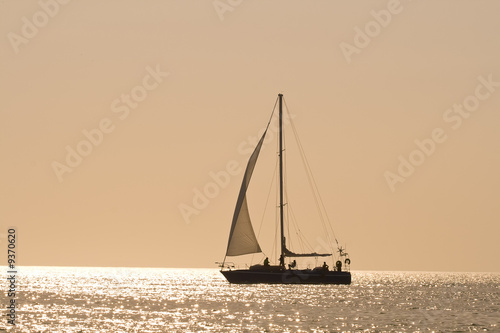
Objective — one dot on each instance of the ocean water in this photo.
(200, 300)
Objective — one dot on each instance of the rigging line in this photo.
(293, 221)
(285, 181)
(297, 230)
(291, 218)
(308, 245)
(308, 173)
(289, 211)
(276, 219)
(295, 224)
(272, 113)
(313, 184)
(317, 197)
(267, 199)
(306, 163)
(273, 251)
(276, 225)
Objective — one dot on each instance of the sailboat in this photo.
(242, 239)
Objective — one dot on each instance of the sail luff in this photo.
(242, 238)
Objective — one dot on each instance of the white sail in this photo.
(242, 238)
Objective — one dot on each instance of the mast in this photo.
(283, 245)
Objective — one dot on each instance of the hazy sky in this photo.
(157, 96)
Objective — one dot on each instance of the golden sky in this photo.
(114, 114)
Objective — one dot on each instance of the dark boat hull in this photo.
(287, 277)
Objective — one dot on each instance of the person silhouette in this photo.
(266, 262)
(325, 266)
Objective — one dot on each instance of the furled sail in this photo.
(242, 238)
(289, 253)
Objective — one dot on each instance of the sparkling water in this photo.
(76, 299)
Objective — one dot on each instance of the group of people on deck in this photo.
(291, 265)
